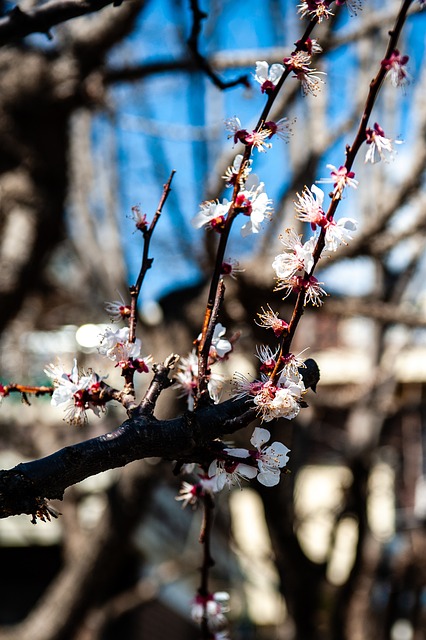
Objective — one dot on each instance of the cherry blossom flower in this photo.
(77, 393)
(378, 145)
(269, 459)
(212, 606)
(187, 380)
(139, 219)
(396, 65)
(253, 202)
(267, 358)
(268, 77)
(220, 346)
(115, 345)
(299, 257)
(271, 320)
(212, 214)
(231, 173)
(231, 267)
(299, 63)
(117, 310)
(311, 287)
(340, 178)
(309, 207)
(280, 400)
(353, 6)
(281, 129)
(339, 232)
(230, 473)
(253, 138)
(291, 365)
(191, 493)
(310, 46)
(315, 8)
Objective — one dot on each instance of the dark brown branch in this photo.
(18, 23)
(202, 63)
(25, 488)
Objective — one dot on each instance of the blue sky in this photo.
(175, 121)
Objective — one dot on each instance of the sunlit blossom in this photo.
(318, 9)
(296, 284)
(117, 310)
(396, 65)
(230, 473)
(310, 46)
(257, 139)
(378, 145)
(115, 345)
(78, 393)
(266, 76)
(299, 257)
(309, 207)
(270, 460)
(280, 128)
(340, 178)
(255, 204)
(339, 232)
(268, 319)
(212, 214)
(231, 173)
(309, 78)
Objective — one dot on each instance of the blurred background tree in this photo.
(91, 124)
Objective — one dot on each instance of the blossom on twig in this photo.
(231, 173)
(211, 606)
(212, 214)
(117, 310)
(298, 257)
(310, 285)
(318, 9)
(396, 64)
(230, 473)
(309, 207)
(268, 77)
(340, 178)
(187, 380)
(339, 232)
(256, 139)
(378, 145)
(254, 203)
(271, 320)
(299, 62)
(77, 393)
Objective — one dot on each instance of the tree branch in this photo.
(18, 23)
(26, 487)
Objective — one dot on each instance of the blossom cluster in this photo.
(78, 393)
(187, 376)
(263, 463)
(82, 392)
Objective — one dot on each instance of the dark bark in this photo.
(25, 488)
